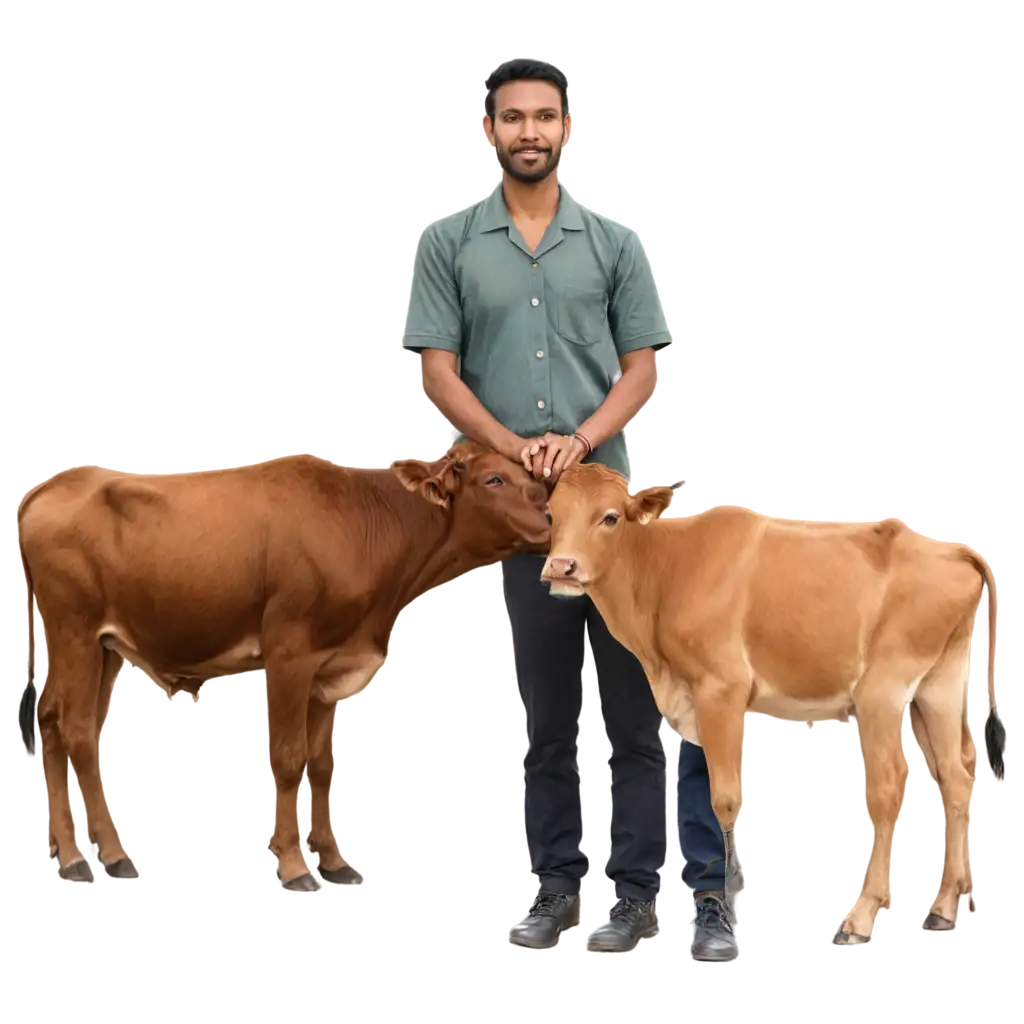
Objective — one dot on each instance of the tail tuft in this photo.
(995, 755)
(26, 715)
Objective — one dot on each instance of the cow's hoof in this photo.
(936, 923)
(304, 883)
(77, 872)
(850, 938)
(343, 876)
(122, 868)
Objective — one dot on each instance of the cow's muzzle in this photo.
(563, 571)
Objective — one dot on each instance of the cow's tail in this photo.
(995, 733)
(27, 711)
(992, 750)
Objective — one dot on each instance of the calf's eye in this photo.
(494, 481)
(610, 519)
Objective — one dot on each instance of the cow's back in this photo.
(135, 547)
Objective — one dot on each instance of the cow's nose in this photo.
(563, 567)
(547, 514)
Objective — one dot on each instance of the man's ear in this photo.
(648, 504)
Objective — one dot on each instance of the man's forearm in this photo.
(464, 410)
(627, 397)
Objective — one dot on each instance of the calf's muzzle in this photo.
(560, 569)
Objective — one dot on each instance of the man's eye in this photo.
(494, 481)
(611, 519)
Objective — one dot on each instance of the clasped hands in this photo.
(548, 456)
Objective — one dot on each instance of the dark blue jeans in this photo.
(547, 636)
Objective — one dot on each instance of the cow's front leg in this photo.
(289, 680)
(720, 708)
(319, 730)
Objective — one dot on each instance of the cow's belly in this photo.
(771, 700)
(675, 702)
(244, 655)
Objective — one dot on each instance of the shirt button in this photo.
(540, 353)
(534, 302)
(534, 266)
(540, 403)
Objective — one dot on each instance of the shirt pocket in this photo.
(583, 315)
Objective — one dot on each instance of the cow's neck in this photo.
(428, 551)
(628, 593)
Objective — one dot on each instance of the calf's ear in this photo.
(436, 482)
(648, 504)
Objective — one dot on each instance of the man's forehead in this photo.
(528, 94)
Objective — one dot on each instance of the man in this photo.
(537, 322)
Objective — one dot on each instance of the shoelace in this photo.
(711, 914)
(627, 907)
(546, 904)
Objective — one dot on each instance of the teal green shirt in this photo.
(538, 334)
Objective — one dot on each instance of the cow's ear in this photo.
(435, 486)
(411, 473)
(648, 504)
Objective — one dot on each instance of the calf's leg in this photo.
(879, 714)
(940, 706)
(720, 708)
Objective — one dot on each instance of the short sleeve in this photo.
(434, 319)
(634, 312)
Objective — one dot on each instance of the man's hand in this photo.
(549, 456)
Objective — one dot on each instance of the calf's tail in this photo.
(995, 732)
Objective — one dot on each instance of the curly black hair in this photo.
(505, 70)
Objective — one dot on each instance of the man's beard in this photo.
(547, 165)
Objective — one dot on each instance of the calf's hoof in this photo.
(937, 923)
(343, 876)
(301, 883)
(122, 868)
(850, 938)
(77, 872)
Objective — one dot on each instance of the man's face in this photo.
(528, 130)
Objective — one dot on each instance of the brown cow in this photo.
(730, 611)
(297, 566)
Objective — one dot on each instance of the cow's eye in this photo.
(610, 519)
(494, 481)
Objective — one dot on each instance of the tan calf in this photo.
(730, 611)
(296, 566)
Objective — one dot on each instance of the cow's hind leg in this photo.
(288, 693)
(319, 729)
(947, 744)
(112, 662)
(72, 863)
(86, 677)
(879, 714)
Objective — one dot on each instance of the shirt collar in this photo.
(495, 213)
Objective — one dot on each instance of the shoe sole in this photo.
(591, 946)
(715, 959)
(543, 945)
